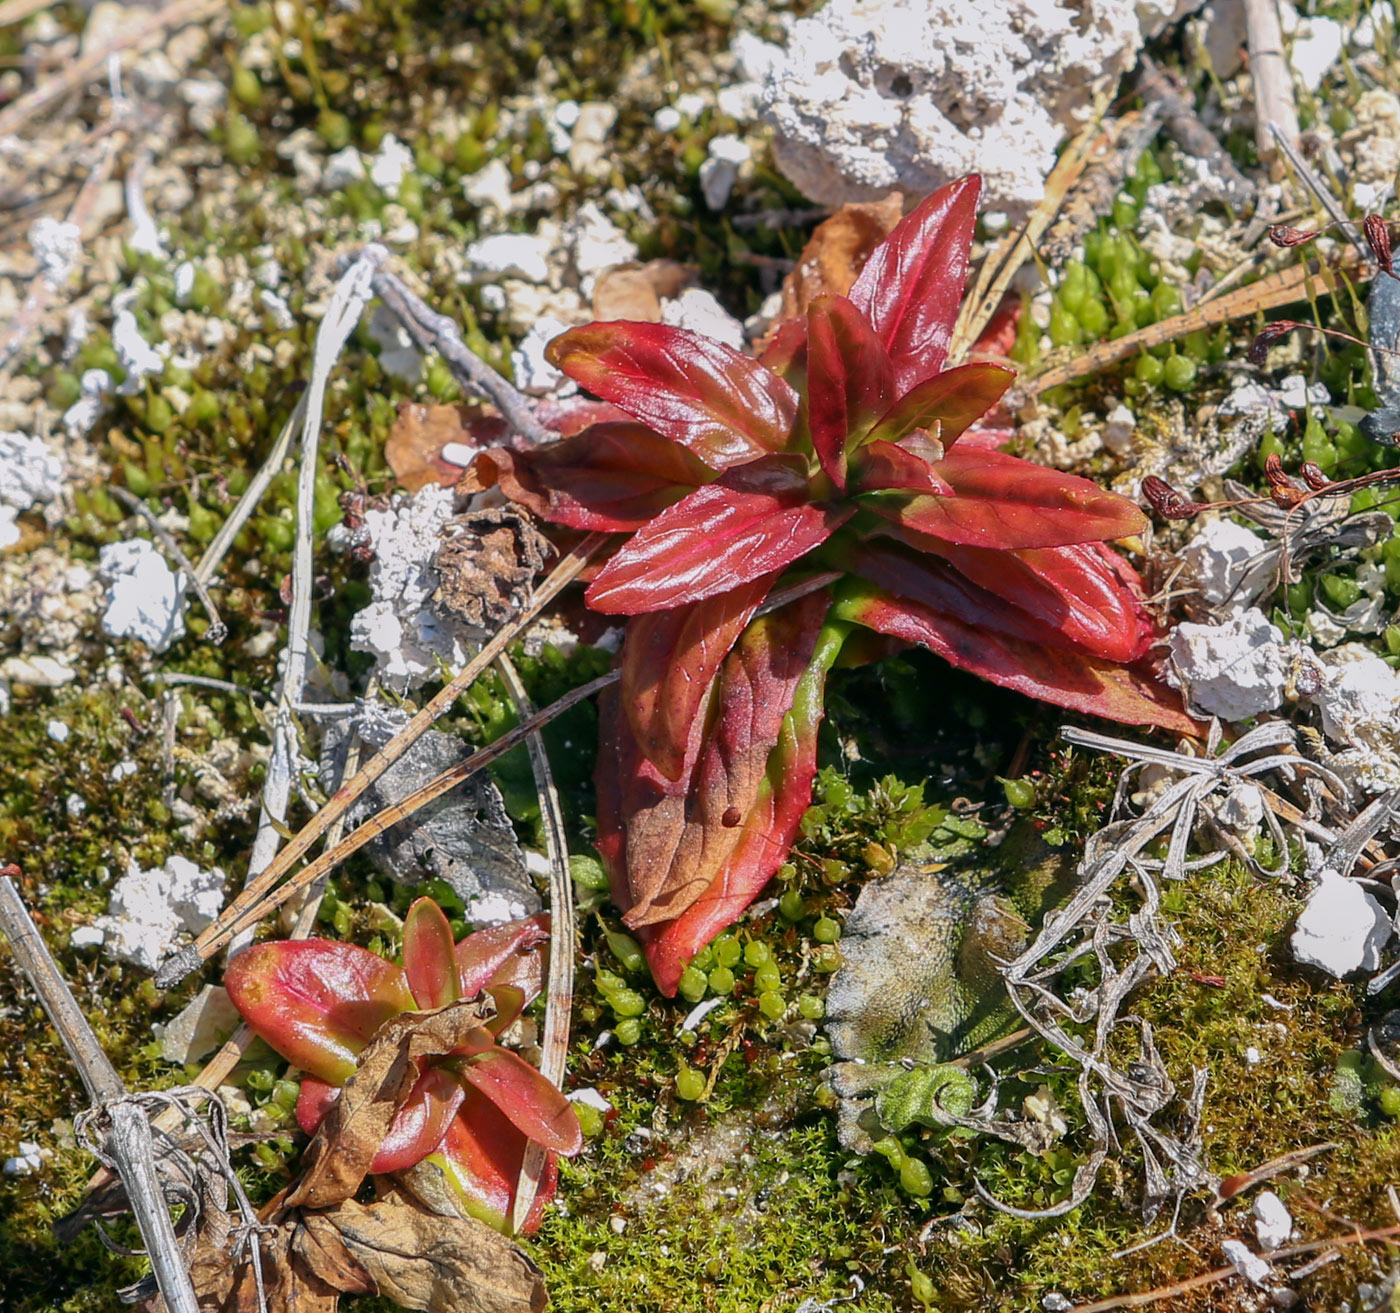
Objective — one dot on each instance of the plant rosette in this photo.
(471, 1112)
(844, 449)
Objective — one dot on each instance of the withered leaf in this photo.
(414, 446)
(339, 1156)
(486, 562)
(635, 291)
(422, 1260)
(836, 253)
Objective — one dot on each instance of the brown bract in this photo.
(635, 291)
(414, 446)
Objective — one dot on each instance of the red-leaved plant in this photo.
(844, 448)
(470, 1112)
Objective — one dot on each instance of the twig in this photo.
(1273, 82)
(16, 114)
(129, 1139)
(217, 631)
(1184, 126)
(559, 1000)
(432, 331)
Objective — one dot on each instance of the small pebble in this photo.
(57, 731)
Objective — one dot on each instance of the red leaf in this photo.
(533, 1105)
(753, 520)
(504, 955)
(1005, 502)
(670, 660)
(1052, 674)
(611, 476)
(314, 1101)
(1069, 597)
(946, 404)
(850, 381)
(665, 841)
(786, 353)
(317, 1002)
(480, 1159)
(724, 406)
(420, 1125)
(882, 466)
(428, 959)
(766, 832)
(912, 285)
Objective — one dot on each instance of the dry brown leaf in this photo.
(340, 1154)
(414, 446)
(422, 1260)
(635, 291)
(486, 562)
(837, 251)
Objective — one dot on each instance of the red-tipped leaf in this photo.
(504, 955)
(1053, 674)
(755, 519)
(421, 1124)
(317, 1002)
(946, 405)
(911, 287)
(612, 477)
(533, 1105)
(884, 467)
(850, 381)
(669, 661)
(1005, 502)
(724, 406)
(428, 955)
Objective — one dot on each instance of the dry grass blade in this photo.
(1274, 102)
(1001, 264)
(1276, 289)
(236, 916)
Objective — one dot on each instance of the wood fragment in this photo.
(1272, 79)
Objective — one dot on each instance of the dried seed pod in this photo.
(1167, 501)
(1378, 239)
(1282, 235)
(1267, 336)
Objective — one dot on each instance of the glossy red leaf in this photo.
(786, 353)
(724, 406)
(480, 1159)
(665, 841)
(504, 955)
(1053, 674)
(766, 832)
(911, 287)
(1001, 501)
(754, 520)
(946, 405)
(612, 477)
(428, 956)
(882, 466)
(670, 659)
(1070, 597)
(850, 381)
(534, 1106)
(421, 1124)
(314, 1100)
(317, 1002)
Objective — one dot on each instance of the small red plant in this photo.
(471, 1112)
(844, 449)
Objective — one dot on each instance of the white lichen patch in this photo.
(150, 910)
(1341, 929)
(1217, 557)
(1233, 670)
(1359, 703)
(145, 598)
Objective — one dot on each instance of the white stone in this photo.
(1233, 670)
(400, 628)
(489, 188)
(277, 309)
(397, 354)
(1341, 929)
(390, 163)
(666, 119)
(138, 357)
(28, 1160)
(9, 528)
(29, 471)
(691, 104)
(1360, 706)
(720, 171)
(591, 1097)
(342, 168)
(199, 1028)
(75, 805)
(697, 310)
(875, 94)
(1252, 1056)
(588, 142)
(509, 255)
(58, 247)
(1316, 46)
(1217, 556)
(57, 731)
(532, 372)
(595, 243)
(493, 298)
(1246, 1262)
(1273, 1224)
(458, 453)
(1242, 810)
(150, 910)
(184, 281)
(1295, 392)
(1118, 428)
(87, 936)
(95, 386)
(145, 598)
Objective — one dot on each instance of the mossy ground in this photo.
(741, 1199)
